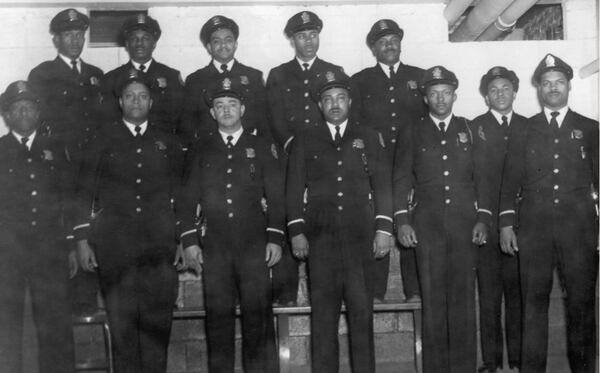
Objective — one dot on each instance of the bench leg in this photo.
(418, 342)
(283, 335)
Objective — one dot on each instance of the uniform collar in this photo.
(131, 127)
(236, 135)
(310, 63)
(217, 65)
(499, 116)
(386, 68)
(342, 126)
(67, 60)
(29, 141)
(562, 112)
(446, 120)
(146, 64)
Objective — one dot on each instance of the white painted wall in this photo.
(26, 42)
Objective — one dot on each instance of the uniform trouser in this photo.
(242, 270)
(41, 266)
(381, 271)
(408, 270)
(139, 301)
(341, 268)
(565, 239)
(446, 260)
(498, 276)
(285, 277)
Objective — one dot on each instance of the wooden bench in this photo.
(282, 321)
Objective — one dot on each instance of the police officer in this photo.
(232, 171)
(440, 159)
(139, 35)
(34, 174)
(293, 109)
(70, 105)
(386, 97)
(555, 165)
(344, 225)
(498, 273)
(219, 35)
(126, 227)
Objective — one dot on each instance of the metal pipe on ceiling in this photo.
(507, 20)
(455, 9)
(479, 19)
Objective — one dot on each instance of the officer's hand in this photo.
(300, 246)
(480, 231)
(193, 258)
(86, 256)
(179, 262)
(381, 244)
(73, 265)
(508, 241)
(407, 236)
(273, 254)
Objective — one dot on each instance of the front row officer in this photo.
(231, 173)
(344, 225)
(126, 221)
(555, 165)
(34, 175)
(438, 156)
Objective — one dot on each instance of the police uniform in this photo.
(167, 84)
(126, 212)
(33, 203)
(387, 102)
(445, 170)
(348, 199)
(556, 168)
(196, 119)
(229, 182)
(497, 273)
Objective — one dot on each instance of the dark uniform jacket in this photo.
(196, 119)
(36, 188)
(129, 185)
(386, 104)
(167, 94)
(70, 103)
(551, 170)
(443, 171)
(289, 92)
(230, 190)
(337, 182)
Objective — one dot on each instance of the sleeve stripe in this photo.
(189, 232)
(384, 217)
(505, 212)
(384, 232)
(484, 210)
(80, 226)
(275, 230)
(401, 212)
(295, 221)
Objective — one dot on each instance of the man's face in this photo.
(140, 44)
(500, 95)
(222, 45)
(440, 99)
(69, 43)
(228, 112)
(554, 89)
(335, 104)
(23, 117)
(135, 102)
(387, 49)
(306, 44)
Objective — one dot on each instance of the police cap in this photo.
(495, 73)
(327, 81)
(226, 87)
(437, 75)
(69, 19)
(217, 23)
(304, 20)
(19, 90)
(140, 21)
(552, 63)
(130, 76)
(383, 27)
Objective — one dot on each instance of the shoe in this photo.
(413, 299)
(378, 300)
(486, 369)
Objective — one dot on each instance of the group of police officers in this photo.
(121, 179)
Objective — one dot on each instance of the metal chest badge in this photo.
(411, 84)
(481, 133)
(250, 153)
(94, 81)
(358, 144)
(162, 82)
(463, 138)
(244, 80)
(160, 145)
(577, 134)
(47, 156)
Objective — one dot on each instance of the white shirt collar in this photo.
(499, 116)
(236, 135)
(146, 64)
(67, 60)
(561, 114)
(437, 121)
(29, 138)
(217, 65)
(310, 63)
(386, 68)
(132, 126)
(342, 126)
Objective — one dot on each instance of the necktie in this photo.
(224, 68)
(24, 141)
(392, 73)
(305, 66)
(229, 143)
(74, 67)
(553, 121)
(338, 136)
(504, 121)
(138, 131)
(442, 126)
(142, 67)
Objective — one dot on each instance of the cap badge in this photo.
(437, 73)
(226, 84)
(550, 61)
(305, 17)
(330, 76)
(21, 87)
(141, 18)
(383, 25)
(72, 15)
